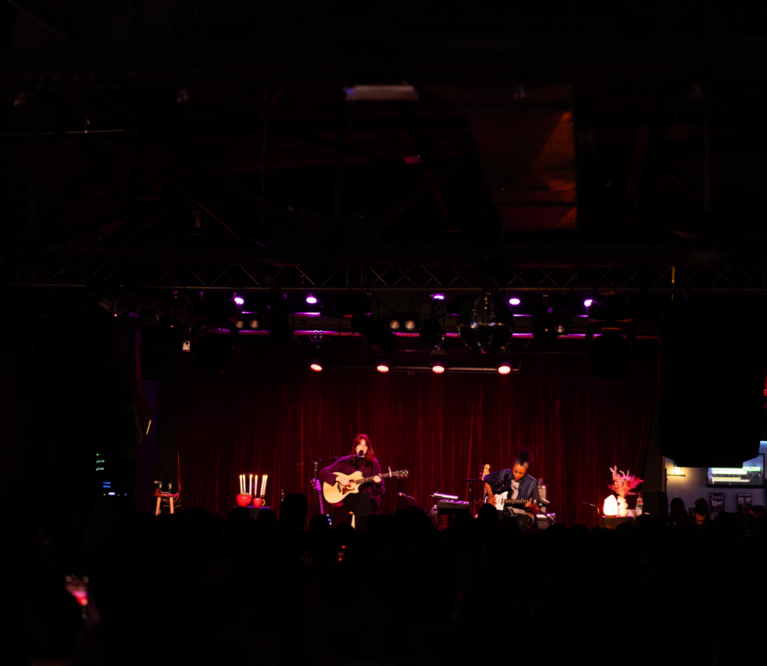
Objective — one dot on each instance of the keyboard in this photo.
(450, 508)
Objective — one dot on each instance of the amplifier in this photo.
(542, 523)
(448, 508)
(543, 489)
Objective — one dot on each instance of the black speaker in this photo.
(93, 397)
(655, 503)
(711, 386)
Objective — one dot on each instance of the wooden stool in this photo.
(172, 497)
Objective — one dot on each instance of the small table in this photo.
(172, 497)
(611, 522)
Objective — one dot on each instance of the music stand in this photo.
(315, 482)
(470, 487)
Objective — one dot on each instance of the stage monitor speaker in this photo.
(711, 385)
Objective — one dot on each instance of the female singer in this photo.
(363, 459)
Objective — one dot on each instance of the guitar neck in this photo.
(366, 479)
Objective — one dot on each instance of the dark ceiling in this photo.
(186, 145)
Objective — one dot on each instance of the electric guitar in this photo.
(335, 492)
(502, 501)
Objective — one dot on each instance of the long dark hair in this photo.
(370, 458)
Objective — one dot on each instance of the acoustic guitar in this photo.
(334, 493)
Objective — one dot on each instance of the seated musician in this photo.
(516, 482)
(362, 459)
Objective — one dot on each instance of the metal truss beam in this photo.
(404, 278)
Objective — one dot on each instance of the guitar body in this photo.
(335, 493)
(517, 506)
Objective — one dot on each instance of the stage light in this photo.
(383, 364)
(609, 348)
(215, 352)
(588, 302)
(377, 335)
(438, 297)
(610, 507)
(514, 301)
(438, 361)
(279, 329)
(254, 323)
(610, 356)
(239, 300)
(317, 352)
(548, 326)
(431, 333)
(406, 321)
(504, 366)
(108, 304)
(329, 310)
(485, 324)
(504, 362)
(239, 323)
(311, 299)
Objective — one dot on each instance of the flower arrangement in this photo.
(623, 484)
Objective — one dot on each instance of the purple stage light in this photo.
(514, 301)
(588, 302)
(438, 297)
(311, 299)
(239, 300)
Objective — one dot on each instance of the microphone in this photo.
(360, 454)
(413, 500)
(599, 513)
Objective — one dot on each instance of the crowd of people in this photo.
(286, 588)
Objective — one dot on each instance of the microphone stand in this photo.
(315, 479)
(596, 507)
(413, 500)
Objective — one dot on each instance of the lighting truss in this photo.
(400, 278)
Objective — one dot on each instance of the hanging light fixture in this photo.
(485, 324)
(438, 361)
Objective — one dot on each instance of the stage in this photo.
(270, 412)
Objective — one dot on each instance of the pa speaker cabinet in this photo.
(711, 386)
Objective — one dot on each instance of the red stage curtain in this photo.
(271, 413)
